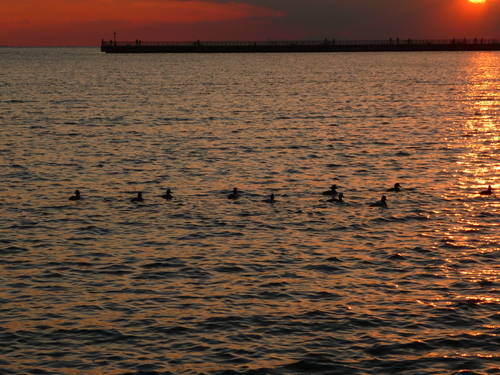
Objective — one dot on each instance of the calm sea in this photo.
(202, 284)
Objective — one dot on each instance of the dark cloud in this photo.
(380, 19)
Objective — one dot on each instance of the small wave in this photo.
(13, 250)
(396, 256)
(324, 296)
(229, 269)
(324, 268)
(270, 295)
(116, 269)
(170, 263)
(333, 166)
(156, 275)
(92, 336)
(94, 230)
(86, 308)
(381, 350)
(177, 119)
(318, 364)
(25, 226)
(273, 285)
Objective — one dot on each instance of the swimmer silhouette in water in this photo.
(487, 192)
(339, 199)
(76, 197)
(381, 203)
(396, 188)
(234, 194)
(138, 198)
(167, 195)
(270, 199)
(332, 191)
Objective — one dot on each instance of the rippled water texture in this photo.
(202, 284)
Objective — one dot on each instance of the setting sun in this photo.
(477, 1)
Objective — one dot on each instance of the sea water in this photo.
(203, 284)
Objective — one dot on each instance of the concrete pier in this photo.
(327, 45)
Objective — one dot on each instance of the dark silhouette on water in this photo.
(489, 191)
(339, 199)
(138, 198)
(76, 197)
(234, 194)
(332, 191)
(381, 203)
(270, 199)
(396, 188)
(167, 195)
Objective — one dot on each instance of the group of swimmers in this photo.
(332, 192)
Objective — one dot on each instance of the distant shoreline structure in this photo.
(326, 45)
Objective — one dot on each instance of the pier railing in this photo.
(329, 42)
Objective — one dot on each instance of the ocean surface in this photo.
(203, 284)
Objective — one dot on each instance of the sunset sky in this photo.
(86, 22)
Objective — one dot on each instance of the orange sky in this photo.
(86, 22)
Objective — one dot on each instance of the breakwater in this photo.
(327, 45)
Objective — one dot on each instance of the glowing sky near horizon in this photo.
(86, 22)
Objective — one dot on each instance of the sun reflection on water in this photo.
(481, 163)
(472, 242)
